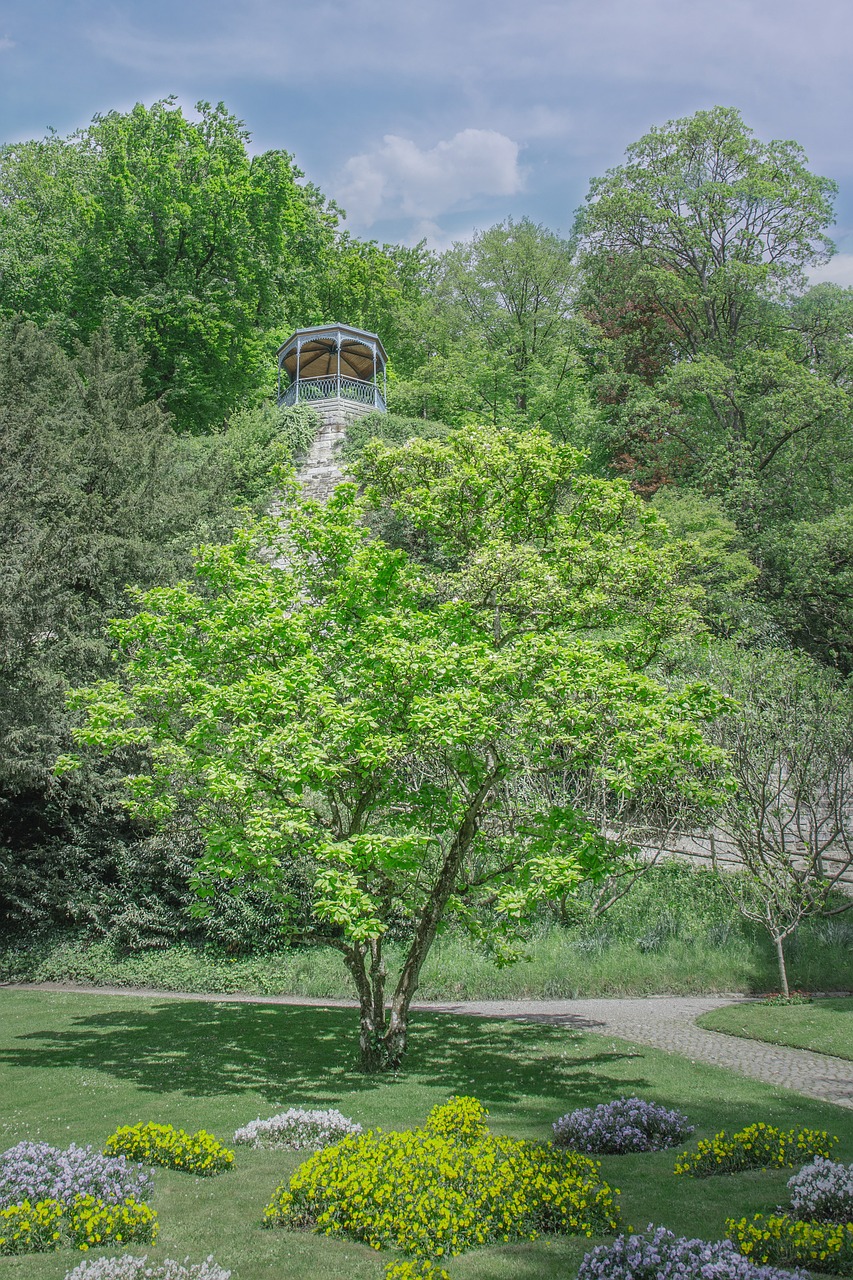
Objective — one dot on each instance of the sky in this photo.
(438, 117)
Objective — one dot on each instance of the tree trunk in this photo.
(779, 944)
(371, 1001)
(397, 1029)
(383, 1034)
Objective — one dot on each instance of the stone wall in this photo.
(320, 470)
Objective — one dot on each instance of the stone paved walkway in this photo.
(668, 1022)
(664, 1022)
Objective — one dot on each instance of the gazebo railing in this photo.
(332, 388)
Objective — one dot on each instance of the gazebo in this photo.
(333, 363)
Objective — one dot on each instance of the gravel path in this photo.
(665, 1022)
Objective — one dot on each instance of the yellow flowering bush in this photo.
(35, 1228)
(820, 1246)
(93, 1222)
(198, 1153)
(30, 1228)
(759, 1146)
(462, 1119)
(408, 1269)
(428, 1193)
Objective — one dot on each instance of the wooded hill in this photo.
(150, 264)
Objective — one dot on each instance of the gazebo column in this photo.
(298, 359)
(338, 338)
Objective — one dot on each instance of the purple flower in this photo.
(626, 1124)
(658, 1254)
(823, 1191)
(35, 1171)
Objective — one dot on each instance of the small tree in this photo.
(791, 815)
(408, 756)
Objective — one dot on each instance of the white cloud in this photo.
(399, 177)
(6, 43)
(839, 270)
(437, 237)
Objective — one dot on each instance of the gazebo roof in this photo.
(317, 350)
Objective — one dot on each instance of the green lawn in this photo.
(73, 1067)
(826, 1025)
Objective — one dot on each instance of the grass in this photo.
(73, 1067)
(825, 1026)
(561, 964)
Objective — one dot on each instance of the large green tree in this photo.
(99, 492)
(197, 251)
(414, 749)
(718, 372)
(708, 224)
(693, 255)
(498, 338)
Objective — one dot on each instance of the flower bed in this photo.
(444, 1188)
(409, 1269)
(627, 1124)
(820, 1246)
(35, 1171)
(92, 1222)
(660, 1253)
(297, 1129)
(36, 1228)
(127, 1267)
(30, 1228)
(199, 1153)
(822, 1191)
(759, 1146)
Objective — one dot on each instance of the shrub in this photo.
(88, 1221)
(410, 1270)
(627, 1124)
(35, 1171)
(198, 1153)
(297, 1129)
(30, 1228)
(820, 1246)
(93, 1222)
(127, 1267)
(460, 1119)
(822, 1191)
(759, 1146)
(649, 1256)
(431, 1193)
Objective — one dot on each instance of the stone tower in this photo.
(337, 371)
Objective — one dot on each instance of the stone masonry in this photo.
(320, 470)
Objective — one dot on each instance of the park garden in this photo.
(435, 737)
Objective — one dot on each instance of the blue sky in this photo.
(433, 117)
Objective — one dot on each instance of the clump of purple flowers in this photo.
(822, 1191)
(659, 1253)
(626, 1124)
(35, 1171)
(127, 1267)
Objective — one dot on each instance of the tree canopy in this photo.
(338, 723)
(167, 227)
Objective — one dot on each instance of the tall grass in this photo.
(674, 932)
(559, 964)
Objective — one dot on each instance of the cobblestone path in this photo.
(664, 1022)
(668, 1022)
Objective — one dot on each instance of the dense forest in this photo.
(670, 350)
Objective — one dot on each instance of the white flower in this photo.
(297, 1129)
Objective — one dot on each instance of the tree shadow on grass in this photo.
(212, 1049)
